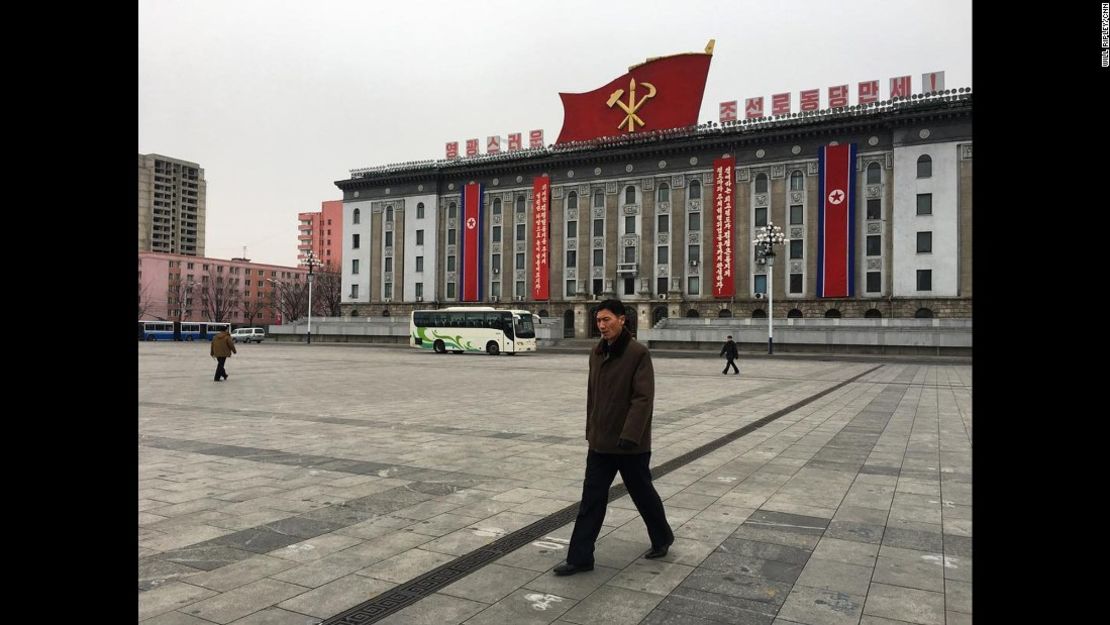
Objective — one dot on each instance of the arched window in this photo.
(389, 213)
(797, 182)
(724, 313)
(420, 210)
(794, 314)
(923, 313)
(759, 313)
(452, 209)
(761, 183)
(630, 195)
(924, 166)
(692, 313)
(874, 174)
(832, 313)
(663, 194)
(356, 217)
(572, 200)
(873, 313)
(520, 203)
(599, 199)
(385, 313)
(659, 314)
(497, 206)
(354, 312)
(695, 190)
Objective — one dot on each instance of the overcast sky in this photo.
(278, 99)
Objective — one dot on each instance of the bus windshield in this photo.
(524, 328)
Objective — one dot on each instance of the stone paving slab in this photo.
(287, 495)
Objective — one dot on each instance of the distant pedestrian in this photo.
(222, 349)
(730, 352)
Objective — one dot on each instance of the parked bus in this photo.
(181, 330)
(473, 329)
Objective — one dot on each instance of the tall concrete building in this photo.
(322, 233)
(171, 205)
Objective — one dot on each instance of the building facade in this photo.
(178, 287)
(171, 205)
(322, 233)
(631, 217)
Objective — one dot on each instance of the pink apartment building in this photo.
(176, 287)
(322, 233)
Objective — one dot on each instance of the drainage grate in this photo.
(408, 593)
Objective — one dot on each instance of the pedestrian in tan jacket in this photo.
(619, 402)
(222, 349)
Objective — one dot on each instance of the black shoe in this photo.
(567, 568)
(657, 552)
(225, 376)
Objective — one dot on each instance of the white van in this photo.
(246, 335)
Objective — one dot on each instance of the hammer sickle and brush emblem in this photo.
(631, 118)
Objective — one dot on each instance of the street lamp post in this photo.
(311, 261)
(765, 240)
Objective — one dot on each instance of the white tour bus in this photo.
(473, 329)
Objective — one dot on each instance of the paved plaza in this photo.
(317, 478)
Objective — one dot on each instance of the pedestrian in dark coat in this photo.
(730, 352)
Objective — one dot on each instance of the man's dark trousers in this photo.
(601, 469)
(220, 373)
(732, 364)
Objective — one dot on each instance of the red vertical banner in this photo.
(541, 194)
(471, 252)
(836, 220)
(723, 283)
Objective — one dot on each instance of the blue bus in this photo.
(181, 330)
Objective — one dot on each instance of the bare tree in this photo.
(327, 292)
(178, 297)
(144, 300)
(292, 299)
(252, 309)
(220, 296)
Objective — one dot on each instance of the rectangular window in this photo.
(874, 284)
(354, 290)
(450, 263)
(661, 254)
(761, 216)
(519, 288)
(796, 214)
(354, 241)
(572, 258)
(795, 248)
(389, 239)
(873, 209)
(629, 254)
(629, 286)
(419, 237)
(692, 285)
(597, 286)
(924, 203)
(497, 234)
(874, 245)
(630, 224)
(795, 283)
(570, 288)
(388, 264)
(660, 285)
(520, 232)
(495, 289)
(924, 242)
(389, 290)
(572, 229)
(695, 222)
(354, 266)
(599, 227)
(450, 290)
(924, 279)
(761, 283)
(599, 258)
(520, 261)
(495, 261)
(664, 223)
(694, 254)
(420, 263)
(420, 290)
(451, 237)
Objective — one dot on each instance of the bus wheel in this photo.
(492, 349)
(150, 338)
(439, 347)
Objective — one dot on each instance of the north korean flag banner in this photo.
(836, 238)
(541, 194)
(470, 249)
(723, 282)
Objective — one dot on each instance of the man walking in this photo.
(730, 352)
(619, 404)
(222, 349)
